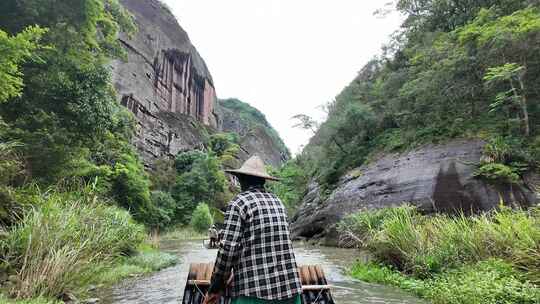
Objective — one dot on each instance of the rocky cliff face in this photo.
(257, 136)
(165, 83)
(167, 86)
(433, 178)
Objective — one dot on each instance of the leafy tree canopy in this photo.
(15, 51)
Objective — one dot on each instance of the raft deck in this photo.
(315, 288)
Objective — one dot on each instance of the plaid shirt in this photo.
(256, 243)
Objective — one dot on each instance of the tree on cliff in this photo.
(66, 117)
(456, 69)
(68, 102)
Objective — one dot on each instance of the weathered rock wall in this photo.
(433, 178)
(167, 86)
(165, 83)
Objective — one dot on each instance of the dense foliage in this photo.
(492, 281)
(201, 219)
(290, 188)
(16, 50)
(60, 107)
(454, 70)
(62, 240)
(66, 163)
(200, 179)
(194, 178)
(489, 258)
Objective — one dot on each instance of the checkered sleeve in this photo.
(229, 247)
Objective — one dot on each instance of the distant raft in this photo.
(207, 243)
(315, 288)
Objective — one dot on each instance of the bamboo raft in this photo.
(315, 288)
(206, 244)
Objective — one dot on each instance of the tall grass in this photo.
(486, 282)
(185, 233)
(5, 300)
(58, 244)
(425, 245)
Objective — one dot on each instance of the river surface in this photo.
(166, 286)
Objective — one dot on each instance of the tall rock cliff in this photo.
(257, 136)
(167, 86)
(165, 83)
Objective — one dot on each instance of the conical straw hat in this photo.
(254, 166)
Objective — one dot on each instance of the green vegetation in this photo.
(185, 233)
(193, 182)
(470, 72)
(201, 219)
(146, 261)
(489, 258)
(75, 200)
(5, 300)
(290, 187)
(492, 281)
(253, 118)
(61, 115)
(59, 242)
(200, 179)
(225, 146)
(15, 51)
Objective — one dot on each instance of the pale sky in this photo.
(285, 57)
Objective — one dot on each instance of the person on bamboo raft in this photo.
(256, 244)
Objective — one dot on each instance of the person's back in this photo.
(267, 267)
(255, 241)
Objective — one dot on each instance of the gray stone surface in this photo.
(164, 83)
(167, 86)
(433, 178)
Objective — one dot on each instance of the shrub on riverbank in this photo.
(444, 252)
(5, 300)
(146, 261)
(201, 219)
(62, 240)
(492, 281)
(423, 245)
(184, 234)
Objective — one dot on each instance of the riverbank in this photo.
(68, 244)
(147, 260)
(184, 234)
(490, 258)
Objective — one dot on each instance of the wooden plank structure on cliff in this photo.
(315, 288)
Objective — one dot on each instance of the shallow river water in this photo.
(166, 286)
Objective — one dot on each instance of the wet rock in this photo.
(91, 288)
(435, 178)
(91, 301)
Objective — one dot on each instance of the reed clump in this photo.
(62, 241)
(422, 246)
(487, 258)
